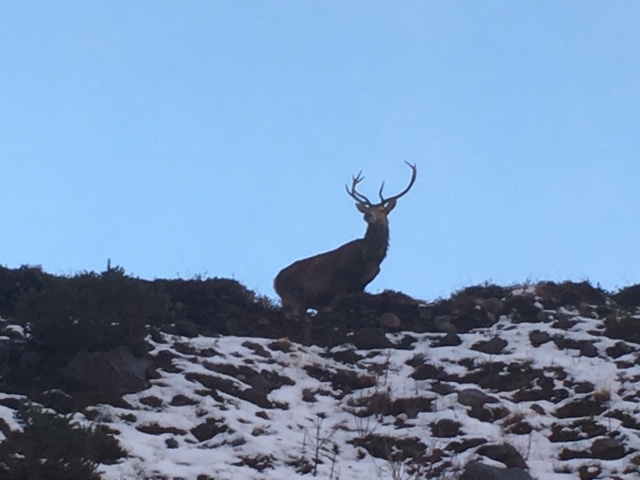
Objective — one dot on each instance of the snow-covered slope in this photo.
(552, 395)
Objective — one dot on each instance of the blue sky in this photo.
(215, 138)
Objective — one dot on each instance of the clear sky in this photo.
(215, 138)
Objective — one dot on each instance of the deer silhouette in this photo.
(316, 281)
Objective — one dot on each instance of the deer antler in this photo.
(360, 198)
(402, 193)
(357, 196)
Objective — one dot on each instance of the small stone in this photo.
(493, 346)
(589, 350)
(589, 472)
(472, 397)
(619, 349)
(308, 396)
(187, 329)
(257, 349)
(538, 338)
(445, 428)
(584, 387)
(544, 316)
(521, 428)
(151, 401)
(442, 388)
(608, 449)
(538, 409)
(370, 338)
(428, 372)
(389, 320)
(449, 340)
(209, 429)
(442, 323)
(171, 443)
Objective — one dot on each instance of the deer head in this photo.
(376, 214)
(316, 281)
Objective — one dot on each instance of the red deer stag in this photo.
(316, 281)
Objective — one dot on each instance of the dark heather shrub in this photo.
(211, 302)
(51, 447)
(16, 282)
(92, 312)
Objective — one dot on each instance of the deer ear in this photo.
(391, 204)
(362, 208)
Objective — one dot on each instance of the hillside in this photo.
(211, 382)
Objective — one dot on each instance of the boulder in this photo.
(480, 471)
(112, 373)
(472, 397)
(504, 453)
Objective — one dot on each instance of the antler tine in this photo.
(382, 200)
(360, 198)
(411, 182)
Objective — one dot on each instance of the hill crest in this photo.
(534, 381)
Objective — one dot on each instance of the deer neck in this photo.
(376, 241)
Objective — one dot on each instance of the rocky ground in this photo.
(537, 381)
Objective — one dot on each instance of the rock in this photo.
(493, 305)
(538, 337)
(520, 428)
(152, 401)
(544, 316)
(523, 310)
(187, 329)
(563, 323)
(171, 443)
(538, 409)
(589, 350)
(156, 335)
(583, 407)
(256, 396)
(449, 340)
(619, 349)
(487, 414)
(442, 323)
(589, 472)
(204, 476)
(308, 396)
(480, 471)
(584, 387)
(459, 446)
(389, 320)
(608, 449)
(58, 400)
(180, 400)
(490, 347)
(579, 429)
(442, 388)
(257, 348)
(476, 318)
(209, 429)
(411, 406)
(369, 338)
(504, 453)
(472, 397)
(107, 374)
(445, 428)
(428, 372)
